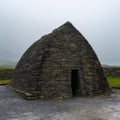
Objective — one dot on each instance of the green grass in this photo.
(114, 82)
(7, 68)
(4, 82)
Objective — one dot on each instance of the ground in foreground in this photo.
(14, 107)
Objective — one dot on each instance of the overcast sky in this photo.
(22, 22)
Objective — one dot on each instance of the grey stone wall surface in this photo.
(6, 74)
(45, 69)
(108, 71)
(112, 71)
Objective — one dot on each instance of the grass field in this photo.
(4, 82)
(114, 82)
(7, 68)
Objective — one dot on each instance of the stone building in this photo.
(61, 64)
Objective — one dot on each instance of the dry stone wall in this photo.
(112, 71)
(6, 74)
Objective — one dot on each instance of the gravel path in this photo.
(14, 107)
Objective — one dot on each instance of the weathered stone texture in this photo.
(48, 68)
(6, 74)
(112, 71)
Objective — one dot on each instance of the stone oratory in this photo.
(61, 64)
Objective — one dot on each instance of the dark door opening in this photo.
(74, 81)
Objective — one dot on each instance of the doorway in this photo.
(75, 81)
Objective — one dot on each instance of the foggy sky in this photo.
(22, 22)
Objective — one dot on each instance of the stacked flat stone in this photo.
(45, 69)
(6, 74)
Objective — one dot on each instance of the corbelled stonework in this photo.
(61, 64)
